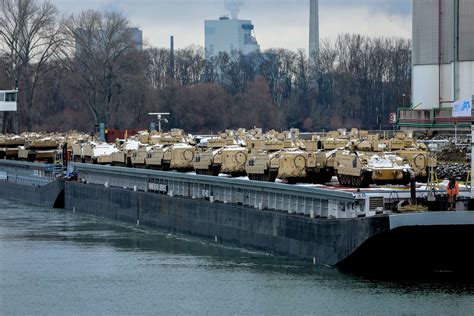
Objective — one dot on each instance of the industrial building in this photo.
(443, 63)
(229, 35)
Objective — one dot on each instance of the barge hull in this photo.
(324, 241)
(49, 195)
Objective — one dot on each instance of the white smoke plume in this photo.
(233, 6)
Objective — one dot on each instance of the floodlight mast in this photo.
(160, 118)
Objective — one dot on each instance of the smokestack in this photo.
(313, 27)
(233, 6)
(171, 70)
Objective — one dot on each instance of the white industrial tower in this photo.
(313, 27)
(229, 35)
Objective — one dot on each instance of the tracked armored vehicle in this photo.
(204, 161)
(221, 155)
(360, 169)
(320, 166)
(9, 147)
(45, 149)
(171, 157)
(419, 160)
(98, 153)
(171, 151)
(278, 159)
(123, 157)
(137, 157)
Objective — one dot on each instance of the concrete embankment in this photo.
(326, 241)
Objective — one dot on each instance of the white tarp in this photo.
(462, 108)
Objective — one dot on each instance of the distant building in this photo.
(229, 35)
(137, 36)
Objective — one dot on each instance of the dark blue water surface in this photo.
(58, 263)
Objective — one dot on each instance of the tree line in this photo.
(76, 71)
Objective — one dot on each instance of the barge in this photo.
(350, 228)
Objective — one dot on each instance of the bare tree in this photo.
(29, 37)
(99, 51)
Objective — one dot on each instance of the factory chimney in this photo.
(313, 27)
(171, 65)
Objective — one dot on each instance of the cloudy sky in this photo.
(278, 23)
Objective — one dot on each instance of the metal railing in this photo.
(28, 173)
(311, 201)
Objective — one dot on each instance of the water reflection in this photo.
(81, 254)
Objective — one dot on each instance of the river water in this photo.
(57, 263)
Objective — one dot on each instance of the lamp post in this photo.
(160, 118)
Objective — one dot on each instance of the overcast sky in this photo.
(278, 23)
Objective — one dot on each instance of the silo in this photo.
(443, 52)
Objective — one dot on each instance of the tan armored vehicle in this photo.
(278, 159)
(77, 152)
(203, 162)
(320, 166)
(98, 153)
(285, 164)
(228, 160)
(419, 160)
(45, 149)
(123, 157)
(334, 140)
(360, 169)
(137, 157)
(171, 157)
(402, 140)
(9, 146)
(221, 155)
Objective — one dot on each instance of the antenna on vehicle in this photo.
(160, 118)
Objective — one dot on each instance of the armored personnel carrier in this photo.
(419, 160)
(320, 166)
(221, 155)
(9, 146)
(278, 159)
(360, 169)
(137, 157)
(123, 157)
(46, 149)
(334, 140)
(170, 151)
(171, 157)
(98, 153)
(77, 151)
